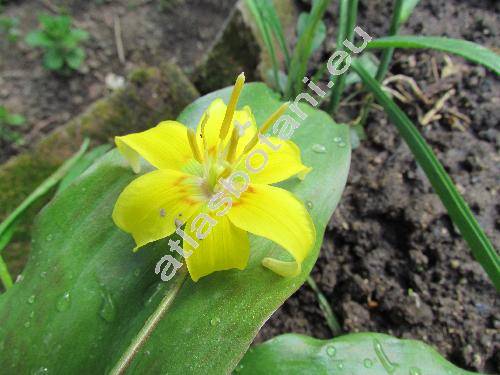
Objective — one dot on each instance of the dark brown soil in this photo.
(392, 261)
(181, 31)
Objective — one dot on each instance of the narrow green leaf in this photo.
(348, 10)
(357, 353)
(4, 271)
(319, 33)
(94, 300)
(468, 50)
(459, 211)
(42, 189)
(255, 7)
(406, 10)
(82, 165)
(302, 51)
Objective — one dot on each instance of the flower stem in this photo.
(150, 325)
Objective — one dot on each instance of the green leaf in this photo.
(357, 353)
(41, 190)
(302, 51)
(82, 165)
(459, 211)
(319, 33)
(407, 7)
(75, 58)
(94, 299)
(38, 39)
(468, 50)
(15, 120)
(53, 59)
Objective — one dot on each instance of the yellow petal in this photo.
(268, 164)
(148, 207)
(165, 146)
(224, 248)
(216, 112)
(276, 214)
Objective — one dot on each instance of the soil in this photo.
(151, 32)
(392, 261)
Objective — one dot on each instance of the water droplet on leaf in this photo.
(320, 149)
(415, 371)
(31, 299)
(214, 321)
(64, 302)
(27, 324)
(108, 309)
(331, 351)
(337, 139)
(309, 204)
(49, 238)
(341, 144)
(368, 363)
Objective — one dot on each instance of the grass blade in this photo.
(459, 211)
(301, 53)
(348, 10)
(331, 319)
(255, 7)
(468, 50)
(42, 189)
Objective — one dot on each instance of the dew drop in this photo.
(415, 371)
(31, 299)
(147, 353)
(368, 363)
(340, 365)
(309, 204)
(43, 274)
(331, 351)
(318, 148)
(342, 144)
(27, 324)
(32, 314)
(49, 238)
(389, 367)
(64, 302)
(108, 309)
(41, 371)
(337, 139)
(214, 321)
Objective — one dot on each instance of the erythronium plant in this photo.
(216, 181)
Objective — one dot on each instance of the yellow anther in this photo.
(265, 127)
(194, 144)
(233, 143)
(231, 107)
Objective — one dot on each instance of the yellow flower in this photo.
(216, 183)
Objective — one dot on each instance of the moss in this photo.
(153, 94)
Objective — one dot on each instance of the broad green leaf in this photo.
(357, 353)
(38, 39)
(468, 50)
(457, 208)
(16, 120)
(75, 58)
(52, 59)
(85, 297)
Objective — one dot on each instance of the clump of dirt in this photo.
(152, 32)
(392, 260)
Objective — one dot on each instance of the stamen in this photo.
(265, 127)
(194, 144)
(231, 107)
(233, 143)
